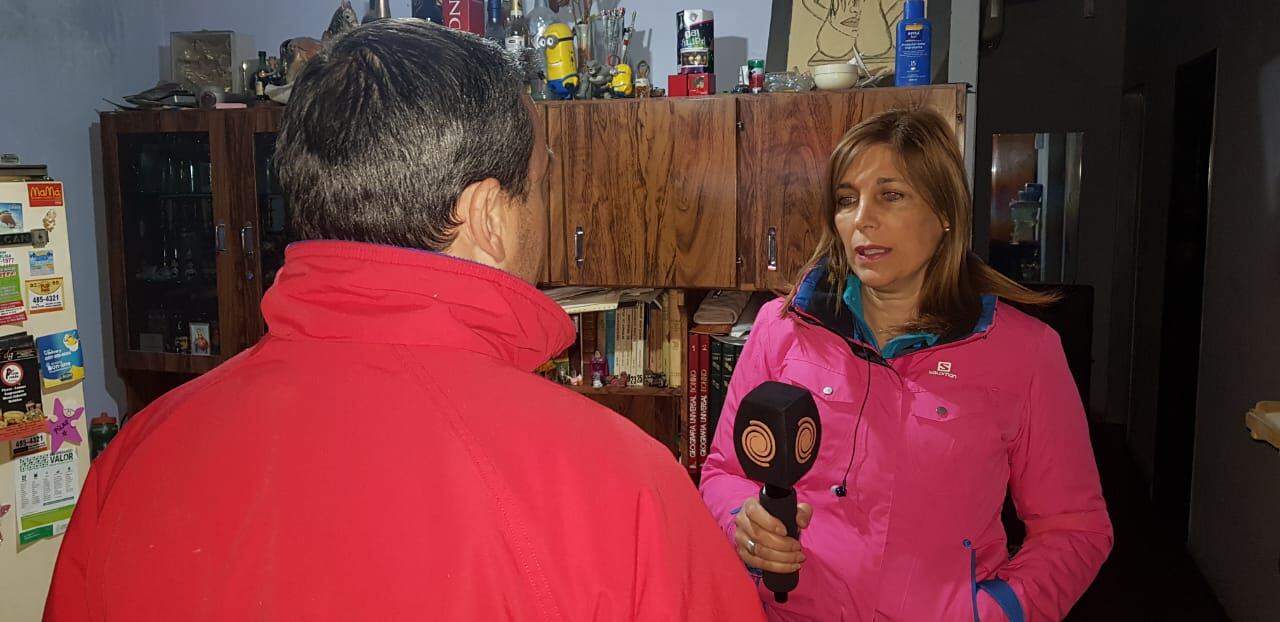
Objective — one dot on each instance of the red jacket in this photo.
(386, 454)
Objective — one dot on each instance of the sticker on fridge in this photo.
(12, 308)
(10, 217)
(29, 446)
(21, 412)
(41, 262)
(45, 295)
(48, 487)
(61, 360)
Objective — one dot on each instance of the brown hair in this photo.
(955, 279)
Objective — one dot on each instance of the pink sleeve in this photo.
(723, 485)
(1055, 487)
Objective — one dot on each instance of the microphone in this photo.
(777, 434)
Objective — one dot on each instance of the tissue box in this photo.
(209, 58)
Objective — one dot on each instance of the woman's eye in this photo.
(847, 201)
(892, 196)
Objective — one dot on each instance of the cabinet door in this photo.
(782, 170)
(173, 270)
(265, 217)
(642, 192)
(783, 152)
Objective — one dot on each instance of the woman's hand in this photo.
(762, 540)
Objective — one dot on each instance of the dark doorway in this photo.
(1193, 116)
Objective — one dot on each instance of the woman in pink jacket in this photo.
(936, 398)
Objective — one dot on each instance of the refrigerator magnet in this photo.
(10, 217)
(45, 295)
(12, 308)
(41, 262)
(61, 358)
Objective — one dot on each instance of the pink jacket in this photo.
(945, 431)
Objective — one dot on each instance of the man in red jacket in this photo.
(385, 453)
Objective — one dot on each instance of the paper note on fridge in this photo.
(45, 295)
(61, 359)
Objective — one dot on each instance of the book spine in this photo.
(588, 336)
(691, 421)
(704, 381)
(575, 350)
(610, 340)
(676, 334)
(717, 385)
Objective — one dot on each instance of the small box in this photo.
(209, 58)
(465, 15)
(691, 84)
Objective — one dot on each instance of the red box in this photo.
(465, 15)
(691, 84)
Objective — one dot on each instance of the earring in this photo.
(946, 229)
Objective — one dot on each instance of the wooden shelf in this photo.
(630, 391)
(167, 362)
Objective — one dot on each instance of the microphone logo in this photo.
(806, 440)
(758, 442)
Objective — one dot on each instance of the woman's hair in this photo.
(955, 279)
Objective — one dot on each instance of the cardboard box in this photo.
(465, 15)
(691, 84)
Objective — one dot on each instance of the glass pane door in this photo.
(170, 243)
(272, 212)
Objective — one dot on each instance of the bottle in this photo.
(494, 26)
(101, 430)
(262, 78)
(915, 42)
(539, 18)
(517, 30)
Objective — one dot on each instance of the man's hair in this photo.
(388, 125)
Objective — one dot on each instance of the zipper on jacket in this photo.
(973, 577)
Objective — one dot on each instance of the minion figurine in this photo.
(622, 85)
(562, 70)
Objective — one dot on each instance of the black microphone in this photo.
(777, 434)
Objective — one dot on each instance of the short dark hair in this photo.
(388, 125)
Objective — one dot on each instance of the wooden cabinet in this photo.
(185, 240)
(783, 149)
(696, 193)
(642, 192)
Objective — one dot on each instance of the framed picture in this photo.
(808, 33)
(200, 345)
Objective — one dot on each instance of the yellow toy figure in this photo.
(562, 70)
(622, 84)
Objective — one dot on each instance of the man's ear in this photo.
(481, 208)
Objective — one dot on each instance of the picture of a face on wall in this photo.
(827, 31)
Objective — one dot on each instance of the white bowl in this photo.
(835, 77)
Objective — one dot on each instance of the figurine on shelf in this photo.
(599, 369)
(575, 380)
(621, 85)
(642, 84)
(594, 81)
(562, 70)
(620, 381)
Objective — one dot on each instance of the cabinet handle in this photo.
(220, 238)
(246, 243)
(246, 239)
(772, 259)
(579, 249)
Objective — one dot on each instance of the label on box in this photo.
(61, 359)
(45, 295)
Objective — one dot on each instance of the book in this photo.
(610, 339)
(730, 361)
(587, 337)
(584, 299)
(717, 384)
(675, 338)
(691, 412)
(704, 388)
(575, 350)
(655, 340)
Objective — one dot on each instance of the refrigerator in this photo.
(38, 486)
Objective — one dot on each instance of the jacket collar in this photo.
(364, 293)
(820, 302)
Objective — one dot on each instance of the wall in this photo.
(60, 58)
(1057, 71)
(1235, 508)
